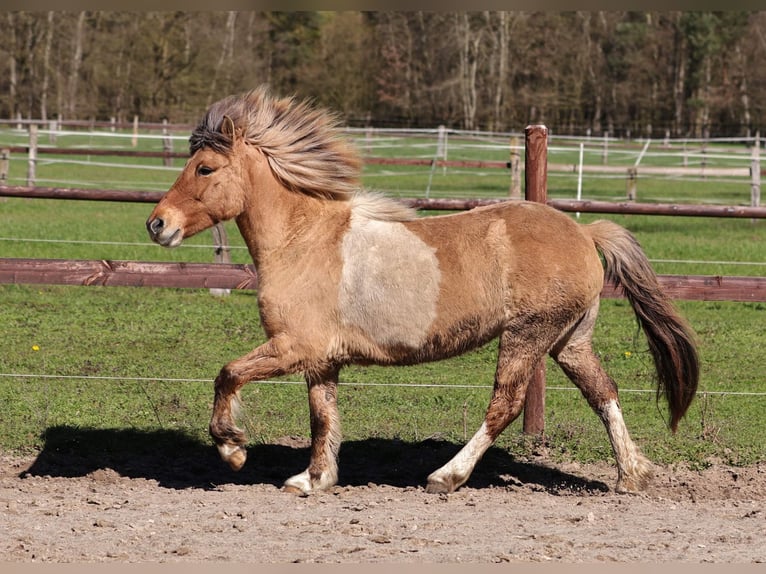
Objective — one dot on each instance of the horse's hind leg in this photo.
(322, 472)
(575, 356)
(514, 370)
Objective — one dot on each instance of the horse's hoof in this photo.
(631, 487)
(439, 487)
(636, 481)
(299, 484)
(294, 490)
(235, 456)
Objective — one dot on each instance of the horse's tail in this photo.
(671, 340)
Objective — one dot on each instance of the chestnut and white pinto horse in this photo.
(347, 276)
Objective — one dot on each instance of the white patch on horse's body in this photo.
(389, 284)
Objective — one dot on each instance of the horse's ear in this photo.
(227, 128)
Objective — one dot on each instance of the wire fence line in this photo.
(110, 165)
(343, 383)
(118, 243)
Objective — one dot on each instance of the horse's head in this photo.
(211, 188)
(245, 144)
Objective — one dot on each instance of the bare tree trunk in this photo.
(502, 67)
(744, 97)
(227, 55)
(122, 71)
(590, 59)
(250, 28)
(13, 78)
(469, 61)
(74, 72)
(46, 67)
(679, 80)
(704, 120)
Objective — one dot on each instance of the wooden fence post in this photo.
(134, 139)
(368, 138)
(31, 167)
(441, 151)
(536, 189)
(755, 173)
(515, 191)
(222, 253)
(5, 156)
(52, 129)
(632, 183)
(167, 144)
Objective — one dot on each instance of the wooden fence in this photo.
(112, 273)
(167, 155)
(426, 204)
(240, 276)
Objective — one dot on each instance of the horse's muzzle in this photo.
(159, 232)
(155, 225)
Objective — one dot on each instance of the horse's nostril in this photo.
(155, 225)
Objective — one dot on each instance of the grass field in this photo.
(92, 357)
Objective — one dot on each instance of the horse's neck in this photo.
(288, 226)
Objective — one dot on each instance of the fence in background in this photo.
(237, 276)
(694, 155)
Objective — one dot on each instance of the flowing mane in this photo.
(303, 144)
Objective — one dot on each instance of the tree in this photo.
(469, 32)
(46, 67)
(341, 71)
(293, 37)
(74, 69)
(695, 73)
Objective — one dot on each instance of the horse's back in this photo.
(502, 267)
(523, 247)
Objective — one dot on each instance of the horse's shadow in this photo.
(175, 460)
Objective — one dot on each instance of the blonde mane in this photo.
(303, 144)
(377, 206)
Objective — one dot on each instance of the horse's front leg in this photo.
(322, 472)
(269, 360)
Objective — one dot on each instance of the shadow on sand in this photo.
(175, 460)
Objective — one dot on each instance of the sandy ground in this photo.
(171, 507)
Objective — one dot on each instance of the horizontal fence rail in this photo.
(589, 206)
(99, 152)
(127, 273)
(112, 273)
(431, 204)
(131, 196)
(698, 171)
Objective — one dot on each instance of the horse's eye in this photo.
(204, 170)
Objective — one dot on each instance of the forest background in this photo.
(641, 74)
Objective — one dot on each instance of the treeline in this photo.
(694, 74)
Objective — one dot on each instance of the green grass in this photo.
(144, 359)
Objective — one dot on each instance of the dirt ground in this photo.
(66, 505)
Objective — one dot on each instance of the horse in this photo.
(349, 276)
